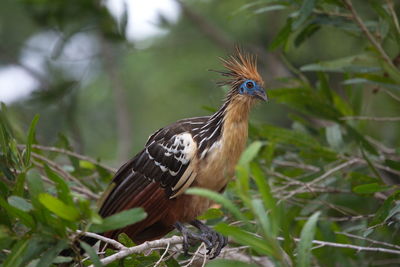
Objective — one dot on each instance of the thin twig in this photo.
(390, 6)
(350, 246)
(367, 33)
(368, 239)
(195, 255)
(110, 241)
(340, 219)
(297, 165)
(322, 177)
(388, 92)
(371, 118)
(163, 255)
(380, 146)
(55, 167)
(141, 249)
(72, 154)
(333, 14)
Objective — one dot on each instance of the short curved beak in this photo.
(260, 94)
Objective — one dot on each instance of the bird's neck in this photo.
(226, 127)
(235, 127)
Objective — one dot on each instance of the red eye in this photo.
(249, 85)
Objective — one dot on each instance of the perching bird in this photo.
(194, 152)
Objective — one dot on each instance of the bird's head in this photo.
(244, 78)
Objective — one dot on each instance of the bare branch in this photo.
(110, 241)
(367, 33)
(141, 248)
(390, 6)
(371, 118)
(341, 219)
(368, 239)
(296, 165)
(392, 95)
(55, 167)
(72, 154)
(350, 246)
(322, 177)
(163, 255)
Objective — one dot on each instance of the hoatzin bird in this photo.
(194, 152)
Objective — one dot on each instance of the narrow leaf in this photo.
(306, 237)
(58, 207)
(31, 139)
(304, 12)
(92, 254)
(119, 220)
(219, 199)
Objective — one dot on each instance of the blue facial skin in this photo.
(250, 87)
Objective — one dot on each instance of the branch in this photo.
(110, 241)
(350, 246)
(72, 154)
(141, 249)
(297, 165)
(368, 239)
(367, 33)
(54, 166)
(178, 240)
(371, 118)
(322, 177)
(339, 219)
(390, 6)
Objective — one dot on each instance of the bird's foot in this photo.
(214, 241)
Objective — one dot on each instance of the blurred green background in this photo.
(108, 93)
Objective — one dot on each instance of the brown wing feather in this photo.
(150, 180)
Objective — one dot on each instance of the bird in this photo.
(193, 152)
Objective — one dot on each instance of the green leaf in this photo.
(125, 240)
(245, 238)
(19, 203)
(58, 207)
(283, 36)
(362, 63)
(119, 220)
(31, 139)
(383, 212)
(334, 136)
(268, 200)
(92, 254)
(35, 184)
(306, 237)
(304, 12)
(49, 256)
(250, 153)
(15, 258)
(211, 214)
(229, 263)
(269, 8)
(370, 188)
(62, 187)
(219, 199)
(17, 213)
(307, 32)
(19, 184)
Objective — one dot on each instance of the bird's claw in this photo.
(213, 240)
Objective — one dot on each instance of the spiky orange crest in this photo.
(241, 66)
